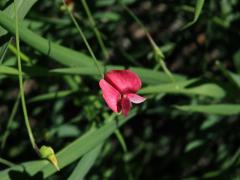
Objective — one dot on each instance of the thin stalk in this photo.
(6, 162)
(84, 39)
(121, 140)
(95, 29)
(156, 49)
(3, 51)
(10, 120)
(23, 56)
(20, 77)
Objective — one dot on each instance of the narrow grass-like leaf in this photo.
(155, 77)
(167, 88)
(70, 57)
(51, 95)
(193, 145)
(85, 164)
(59, 53)
(148, 76)
(22, 6)
(233, 77)
(220, 109)
(72, 152)
(8, 70)
(197, 12)
(211, 90)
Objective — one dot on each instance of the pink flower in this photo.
(119, 88)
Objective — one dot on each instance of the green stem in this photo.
(121, 140)
(20, 77)
(3, 51)
(95, 29)
(156, 49)
(10, 120)
(84, 39)
(6, 162)
(23, 56)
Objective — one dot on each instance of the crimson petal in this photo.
(126, 106)
(125, 81)
(134, 98)
(110, 95)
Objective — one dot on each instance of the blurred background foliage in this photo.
(165, 140)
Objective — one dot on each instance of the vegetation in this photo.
(54, 122)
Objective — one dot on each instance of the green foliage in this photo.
(186, 129)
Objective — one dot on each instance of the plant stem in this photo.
(95, 29)
(84, 39)
(10, 120)
(121, 140)
(23, 56)
(6, 162)
(156, 49)
(20, 77)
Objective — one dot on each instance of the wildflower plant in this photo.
(119, 89)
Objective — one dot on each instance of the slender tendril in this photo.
(158, 53)
(20, 77)
(95, 29)
(84, 39)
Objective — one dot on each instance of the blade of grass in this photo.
(51, 95)
(148, 76)
(85, 164)
(219, 109)
(23, 8)
(197, 12)
(61, 54)
(208, 89)
(8, 70)
(73, 151)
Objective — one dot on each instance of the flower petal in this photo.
(110, 95)
(134, 98)
(125, 81)
(126, 106)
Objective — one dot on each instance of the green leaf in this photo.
(234, 78)
(8, 70)
(70, 57)
(219, 109)
(211, 90)
(73, 151)
(61, 54)
(148, 76)
(22, 6)
(155, 77)
(67, 130)
(197, 12)
(166, 88)
(193, 145)
(209, 122)
(51, 95)
(85, 164)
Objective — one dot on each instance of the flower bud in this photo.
(46, 152)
